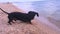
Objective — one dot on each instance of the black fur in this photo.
(25, 17)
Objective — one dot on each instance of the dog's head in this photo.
(32, 12)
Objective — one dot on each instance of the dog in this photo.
(25, 17)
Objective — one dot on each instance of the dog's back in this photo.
(18, 16)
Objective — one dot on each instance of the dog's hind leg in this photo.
(10, 20)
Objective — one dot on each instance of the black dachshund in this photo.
(25, 17)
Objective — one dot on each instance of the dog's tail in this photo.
(4, 11)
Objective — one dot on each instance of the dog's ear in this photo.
(37, 14)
